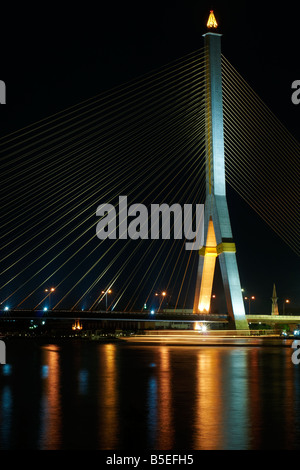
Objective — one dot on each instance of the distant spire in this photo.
(212, 22)
(274, 302)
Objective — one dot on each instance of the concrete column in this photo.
(218, 234)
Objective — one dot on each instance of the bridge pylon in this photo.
(218, 237)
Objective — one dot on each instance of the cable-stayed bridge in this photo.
(146, 140)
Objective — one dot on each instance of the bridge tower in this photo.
(218, 240)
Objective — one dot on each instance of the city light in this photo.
(108, 291)
(162, 296)
(49, 291)
(200, 327)
(77, 325)
(204, 308)
(286, 301)
(249, 300)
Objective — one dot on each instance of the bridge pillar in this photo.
(217, 228)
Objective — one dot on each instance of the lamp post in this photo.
(212, 298)
(52, 289)
(162, 295)
(286, 301)
(249, 299)
(108, 291)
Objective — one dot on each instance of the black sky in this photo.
(56, 55)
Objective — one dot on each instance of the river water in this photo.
(89, 395)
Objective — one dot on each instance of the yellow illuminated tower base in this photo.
(217, 228)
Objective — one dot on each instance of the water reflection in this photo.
(108, 395)
(165, 433)
(152, 411)
(6, 369)
(50, 413)
(290, 399)
(236, 401)
(6, 416)
(83, 377)
(208, 406)
(255, 406)
(296, 405)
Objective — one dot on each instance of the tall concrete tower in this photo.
(217, 228)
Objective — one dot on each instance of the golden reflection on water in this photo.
(255, 410)
(108, 396)
(165, 432)
(208, 400)
(51, 400)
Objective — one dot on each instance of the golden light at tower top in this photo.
(212, 22)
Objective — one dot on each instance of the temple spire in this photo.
(274, 302)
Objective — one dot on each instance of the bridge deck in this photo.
(171, 316)
(119, 316)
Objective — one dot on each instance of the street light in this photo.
(212, 298)
(286, 301)
(108, 291)
(50, 290)
(249, 299)
(162, 295)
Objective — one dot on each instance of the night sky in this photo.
(56, 55)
